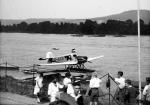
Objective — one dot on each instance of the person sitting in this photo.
(73, 55)
(49, 57)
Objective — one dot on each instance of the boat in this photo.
(9, 67)
(30, 71)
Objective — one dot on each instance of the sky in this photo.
(69, 9)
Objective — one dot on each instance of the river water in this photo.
(120, 53)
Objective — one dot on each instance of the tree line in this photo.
(88, 27)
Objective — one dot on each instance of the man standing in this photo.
(120, 80)
(146, 92)
(130, 93)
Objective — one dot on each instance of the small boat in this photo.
(30, 71)
(118, 35)
(77, 35)
(9, 67)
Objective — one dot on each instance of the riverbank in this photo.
(7, 98)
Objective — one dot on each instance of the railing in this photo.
(26, 86)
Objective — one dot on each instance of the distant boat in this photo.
(97, 35)
(9, 67)
(30, 71)
(119, 35)
(101, 35)
(55, 48)
(77, 35)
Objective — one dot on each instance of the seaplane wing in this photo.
(61, 63)
(93, 58)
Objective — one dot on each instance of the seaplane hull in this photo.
(70, 61)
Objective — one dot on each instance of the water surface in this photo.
(120, 53)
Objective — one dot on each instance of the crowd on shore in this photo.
(126, 94)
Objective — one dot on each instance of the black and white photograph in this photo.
(74, 52)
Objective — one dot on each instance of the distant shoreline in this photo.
(81, 35)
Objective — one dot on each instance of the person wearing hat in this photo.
(146, 92)
(130, 93)
(49, 57)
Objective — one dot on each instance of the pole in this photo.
(109, 87)
(33, 74)
(139, 47)
(6, 77)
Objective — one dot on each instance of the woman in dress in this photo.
(38, 85)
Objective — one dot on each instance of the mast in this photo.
(139, 48)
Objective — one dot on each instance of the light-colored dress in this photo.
(70, 90)
(38, 85)
(53, 90)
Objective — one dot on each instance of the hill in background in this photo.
(144, 15)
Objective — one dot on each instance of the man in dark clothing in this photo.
(130, 93)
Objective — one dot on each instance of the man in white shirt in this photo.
(146, 92)
(120, 80)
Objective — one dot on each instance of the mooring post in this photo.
(33, 74)
(109, 87)
(6, 77)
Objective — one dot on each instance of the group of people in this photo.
(58, 86)
(125, 94)
(128, 94)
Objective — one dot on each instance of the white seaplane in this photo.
(69, 60)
